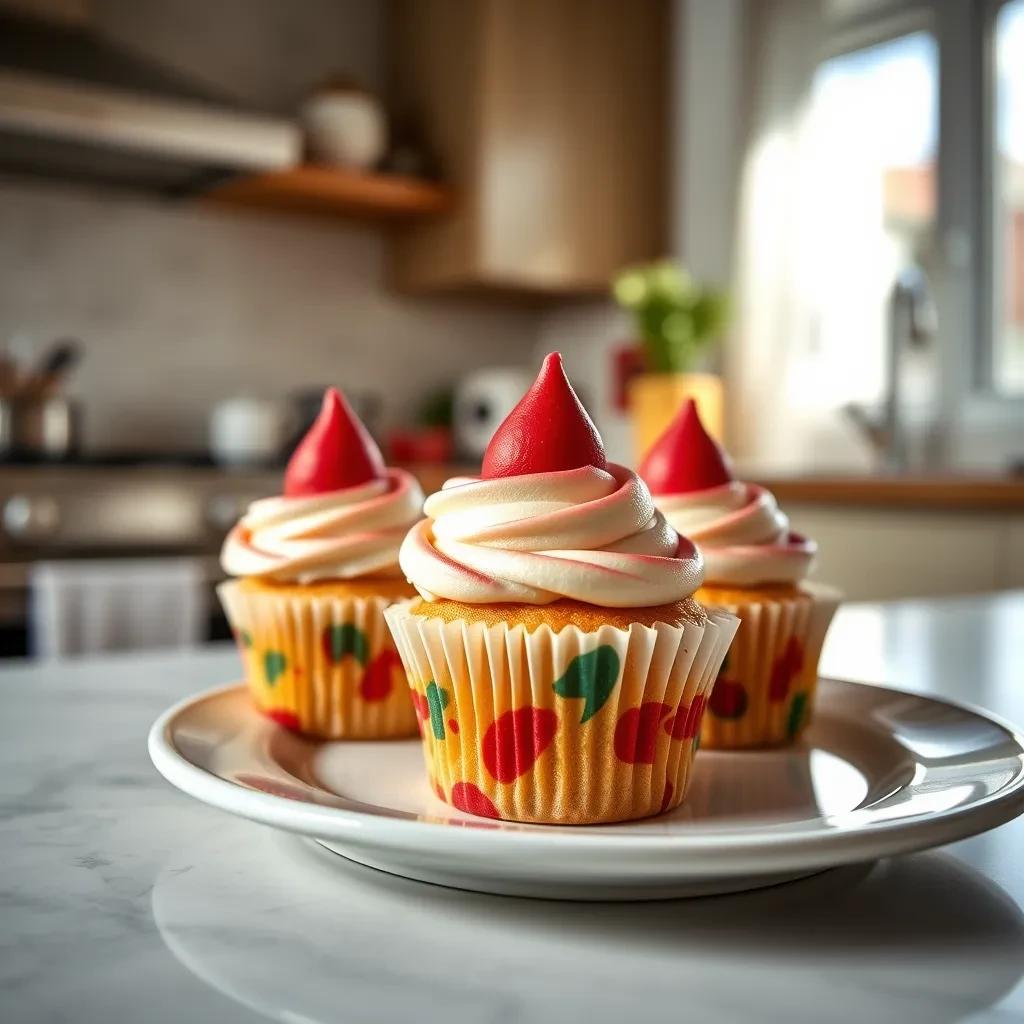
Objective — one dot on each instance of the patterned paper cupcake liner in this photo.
(764, 694)
(321, 665)
(560, 728)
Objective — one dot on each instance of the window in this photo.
(874, 139)
(1008, 200)
(880, 261)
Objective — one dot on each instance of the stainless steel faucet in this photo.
(911, 322)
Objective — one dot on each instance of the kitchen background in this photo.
(416, 199)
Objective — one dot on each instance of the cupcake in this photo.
(756, 567)
(557, 659)
(314, 570)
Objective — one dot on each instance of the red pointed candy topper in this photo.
(547, 432)
(685, 458)
(337, 452)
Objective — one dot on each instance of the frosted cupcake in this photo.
(756, 567)
(315, 570)
(557, 658)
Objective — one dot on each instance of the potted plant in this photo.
(677, 321)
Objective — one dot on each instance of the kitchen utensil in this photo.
(38, 427)
(878, 772)
(47, 376)
(482, 400)
(249, 431)
(9, 375)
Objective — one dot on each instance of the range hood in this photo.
(74, 106)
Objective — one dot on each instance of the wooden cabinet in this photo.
(549, 119)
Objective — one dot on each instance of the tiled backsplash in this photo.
(180, 305)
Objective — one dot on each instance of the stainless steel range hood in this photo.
(74, 106)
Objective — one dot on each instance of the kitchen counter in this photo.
(123, 900)
(974, 493)
(945, 491)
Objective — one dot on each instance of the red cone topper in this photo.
(685, 458)
(337, 452)
(548, 431)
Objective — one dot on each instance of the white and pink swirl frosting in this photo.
(588, 534)
(743, 534)
(342, 534)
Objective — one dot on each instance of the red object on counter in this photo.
(686, 457)
(547, 432)
(427, 445)
(337, 452)
(628, 361)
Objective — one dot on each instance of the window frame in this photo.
(990, 290)
(966, 288)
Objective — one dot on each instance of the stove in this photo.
(115, 507)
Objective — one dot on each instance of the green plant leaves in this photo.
(675, 317)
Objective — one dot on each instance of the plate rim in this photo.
(721, 851)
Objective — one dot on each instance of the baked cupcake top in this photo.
(741, 531)
(343, 514)
(548, 518)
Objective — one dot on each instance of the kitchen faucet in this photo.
(911, 321)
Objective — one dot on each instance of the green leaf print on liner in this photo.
(245, 638)
(437, 701)
(274, 664)
(591, 676)
(797, 710)
(343, 639)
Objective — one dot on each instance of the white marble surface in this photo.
(122, 900)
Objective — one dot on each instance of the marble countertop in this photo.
(123, 900)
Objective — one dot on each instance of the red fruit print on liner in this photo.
(515, 740)
(288, 719)
(728, 698)
(666, 797)
(685, 723)
(422, 706)
(636, 732)
(685, 458)
(377, 682)
(785, 670)
(468, 797)
(337, 452)
(547, 432)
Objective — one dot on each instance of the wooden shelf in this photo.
(335, 192)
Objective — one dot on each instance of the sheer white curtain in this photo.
(784, 389)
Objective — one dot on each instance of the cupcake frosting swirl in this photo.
(587, 534)
(743, 534)
(341, 534)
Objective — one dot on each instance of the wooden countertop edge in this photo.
(908, 492)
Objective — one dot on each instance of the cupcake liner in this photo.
(764, 693)
(559, 728)
(321, 665)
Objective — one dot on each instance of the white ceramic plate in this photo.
(879, 772)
